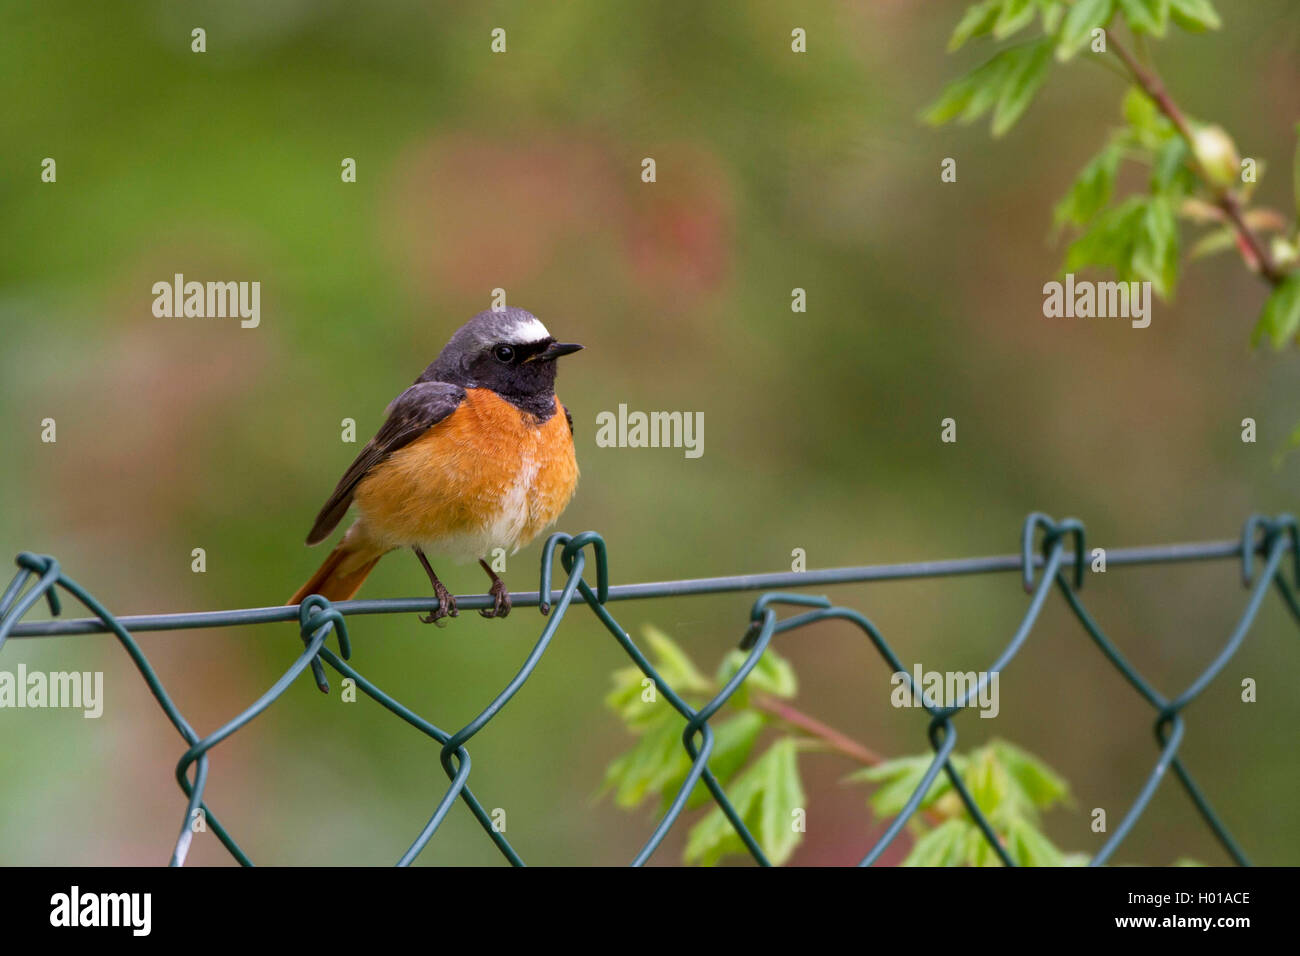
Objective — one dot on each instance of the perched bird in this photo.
(476, 455)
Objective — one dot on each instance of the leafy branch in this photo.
(1195, 172)
(1011, 787)
(1221, 153)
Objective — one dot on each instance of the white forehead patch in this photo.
(528, 330)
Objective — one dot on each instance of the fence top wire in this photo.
(818, 577)
(1269, 539)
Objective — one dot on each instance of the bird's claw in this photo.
(500, 600)
(446, 608)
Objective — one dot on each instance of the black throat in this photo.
(526, 382)
(540, 406)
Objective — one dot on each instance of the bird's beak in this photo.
(555, 350)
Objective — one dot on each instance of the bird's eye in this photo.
(504, 354)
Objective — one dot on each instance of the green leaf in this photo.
(733, 742)
(1138, 239)
(1041, 785)
(648, 767)
(1009, 80)
(626, 698)
(772, 674)
(1281, 316)
(1143, 117)
(1021, 83)
(1008, 784)
(1052, 13)
(899, 778)
(1146, 16)
(782, 797)
(1109, 239)
(1195, 15)
(1169, 173)
(945, 845)
(972, 95)
(1155, 253)
(1221, 240)
(1148, 127)
(989, 783)
(1028, 846)
(1015, 16)
(673, 664)
(1092, 188)
(976, 21)
(713, 837)
(764, 797)
(1081, 19)
(979, 852)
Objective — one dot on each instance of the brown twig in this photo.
(1150, 83)
(834, 740)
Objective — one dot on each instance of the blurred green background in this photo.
(521, 171)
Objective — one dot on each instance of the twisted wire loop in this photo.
(40, 576)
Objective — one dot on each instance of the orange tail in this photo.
(343, 572)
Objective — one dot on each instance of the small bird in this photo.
(476, 455)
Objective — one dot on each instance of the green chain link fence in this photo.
(317, 618)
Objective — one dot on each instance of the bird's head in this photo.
(510, 352)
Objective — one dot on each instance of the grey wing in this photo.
(410, 415)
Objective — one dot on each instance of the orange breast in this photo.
(485, 477)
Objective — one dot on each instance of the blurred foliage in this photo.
(1011, 787)
(764, 791)
(1192, 170)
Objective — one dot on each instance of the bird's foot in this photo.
(446, 606)
(500, 600)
